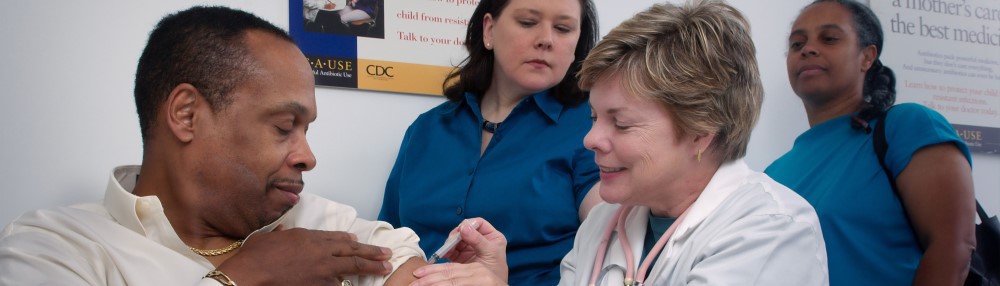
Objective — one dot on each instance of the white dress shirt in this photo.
(744, 229)
(127, 240)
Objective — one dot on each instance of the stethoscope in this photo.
(631, 278)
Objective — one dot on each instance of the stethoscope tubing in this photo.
(618, 223)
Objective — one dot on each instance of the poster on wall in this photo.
(946, 55)
(406, 46)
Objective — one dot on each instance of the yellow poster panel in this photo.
(401, 77)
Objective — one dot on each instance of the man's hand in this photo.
(304, 257)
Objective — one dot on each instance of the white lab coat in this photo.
(744, 229)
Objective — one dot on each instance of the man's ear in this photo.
(180, 107)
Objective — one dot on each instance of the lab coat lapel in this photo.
(615, 264)
(725, 181)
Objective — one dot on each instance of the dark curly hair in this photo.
(475, 72)
(202, 46)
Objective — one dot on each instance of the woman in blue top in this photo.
(923, 236)
(507, 146)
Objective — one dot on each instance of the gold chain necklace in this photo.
(220, 251)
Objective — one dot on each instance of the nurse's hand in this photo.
(481, 242)
(452, 274)
(483, 247)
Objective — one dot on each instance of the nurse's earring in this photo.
(699, 155)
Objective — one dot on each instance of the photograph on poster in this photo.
(359, 18)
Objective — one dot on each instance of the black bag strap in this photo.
(981, 211)
(882, 146)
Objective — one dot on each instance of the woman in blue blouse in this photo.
(923, 236)
(507, 146)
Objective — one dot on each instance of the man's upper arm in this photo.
(404, 274)
(38, 258)
(404, 243)
(318, 213)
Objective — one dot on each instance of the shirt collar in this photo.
(544, 100)
(144, 215)
(727, 179)
(119, 200)
(551, 107)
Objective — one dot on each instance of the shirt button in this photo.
(458, 211)
(141, 208)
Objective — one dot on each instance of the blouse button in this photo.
(458, 211)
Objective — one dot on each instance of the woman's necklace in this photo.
(490, 126)
(219, 251)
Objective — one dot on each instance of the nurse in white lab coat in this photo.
(675, 93)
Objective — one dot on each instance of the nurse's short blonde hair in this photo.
(698, 60)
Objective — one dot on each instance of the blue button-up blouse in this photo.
(528, 183)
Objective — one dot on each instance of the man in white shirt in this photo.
(224, 101)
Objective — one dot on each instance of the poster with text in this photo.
(406, 46)
(946, 56)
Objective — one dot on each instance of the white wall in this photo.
(67, 114)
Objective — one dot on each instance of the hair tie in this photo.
(862, 124)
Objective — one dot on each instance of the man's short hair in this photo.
(201, 46)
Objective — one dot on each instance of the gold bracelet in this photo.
(221, 277)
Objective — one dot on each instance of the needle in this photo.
(452, 241)
(449, 244)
